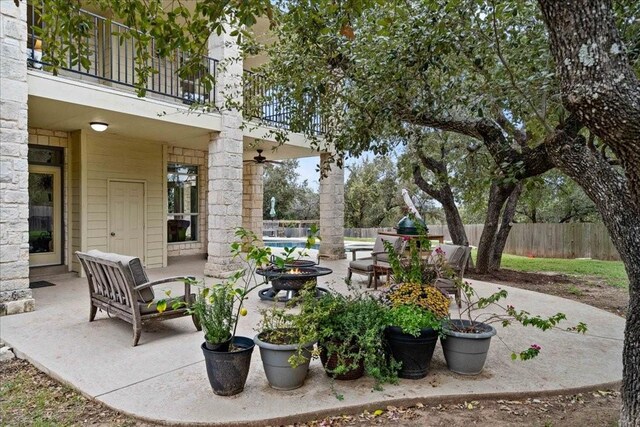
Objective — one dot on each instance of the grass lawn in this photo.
(611, 272)
(361, 239)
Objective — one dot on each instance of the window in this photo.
(182, 199)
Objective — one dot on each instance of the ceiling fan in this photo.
(260, 159)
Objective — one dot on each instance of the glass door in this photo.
(45, 234)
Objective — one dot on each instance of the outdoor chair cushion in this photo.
(137, 271)
(384, 257)
(378, 246)
(362, 264)
(452, 253)
(145, 308)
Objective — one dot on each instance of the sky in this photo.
(307, 169)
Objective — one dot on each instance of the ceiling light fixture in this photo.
(99, 126)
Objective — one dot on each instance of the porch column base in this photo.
(338, 254)
(15, 302)
(215, 269)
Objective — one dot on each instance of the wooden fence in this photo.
(574, 240)
(287, 228)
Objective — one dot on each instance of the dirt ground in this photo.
(28, 397)
(591, 291)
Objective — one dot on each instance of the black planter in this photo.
(220, 346)
(414, 353)
(228, 370)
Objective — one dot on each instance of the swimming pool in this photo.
(288, 244)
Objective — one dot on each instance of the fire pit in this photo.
(291, 279)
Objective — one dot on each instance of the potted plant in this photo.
(227, 356)
(414, 320)
(286, 346)
(467, 335)
(416, 308)
(349, 330)
(218, 308)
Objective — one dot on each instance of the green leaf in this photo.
(161, 306)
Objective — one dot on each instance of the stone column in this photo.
(332, 213)
(252, 194)
(15, 295)
(224, 201)
(224, 197)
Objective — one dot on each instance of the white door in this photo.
(45, 216)
(126, 218)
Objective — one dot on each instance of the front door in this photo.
(45, 220)
(126, 218)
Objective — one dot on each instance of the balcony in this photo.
(262, 102)
(111, 62)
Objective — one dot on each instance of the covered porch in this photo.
(69, 187)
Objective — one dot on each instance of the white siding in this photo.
(111, 157)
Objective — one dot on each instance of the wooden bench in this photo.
(119, 285)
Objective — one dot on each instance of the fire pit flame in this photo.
(294, 271)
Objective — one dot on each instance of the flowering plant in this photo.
(411, 266)
(473, 314)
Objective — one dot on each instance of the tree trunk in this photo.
(601, 88)
(610, 192)
(444, 195)
(498, 195)
(597, 81)
(505, 227)
(454, 221)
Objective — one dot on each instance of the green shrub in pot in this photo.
(349, 329)
(286, 344)
(213, 308)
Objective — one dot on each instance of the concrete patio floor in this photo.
(164, 379)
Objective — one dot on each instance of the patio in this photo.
(163, 379)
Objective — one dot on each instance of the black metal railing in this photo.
(262, 102)
(111, 61)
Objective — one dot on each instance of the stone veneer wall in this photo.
(56, 138)
(224, 210)
(198, 158)
(252, 196)
(15, 295)
(332, 212)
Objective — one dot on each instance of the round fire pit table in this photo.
(290, 279)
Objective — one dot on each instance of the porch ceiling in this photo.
(64, 116)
